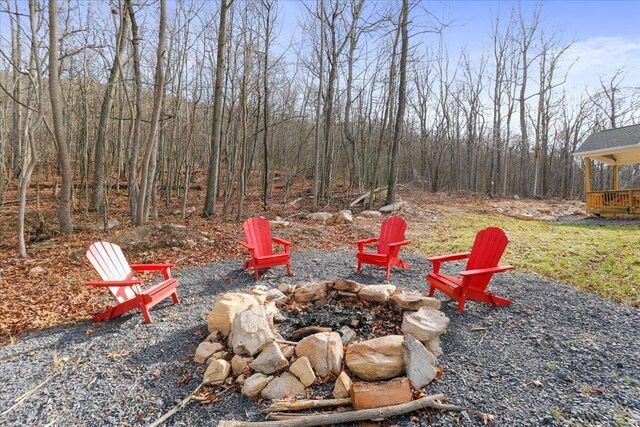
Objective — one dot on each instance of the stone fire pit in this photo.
(374, 357)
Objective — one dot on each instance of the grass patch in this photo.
(600, 259)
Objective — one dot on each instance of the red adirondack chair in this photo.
(483, 263)
(389, 243)
(260, 245)
(117, 275)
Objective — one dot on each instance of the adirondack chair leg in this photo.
(359, 268)
(174, 297)
(289, 270)
(145, 314)
(388, 275)
(461, 302)
(432, 290)
(101, 317)
(255, 273)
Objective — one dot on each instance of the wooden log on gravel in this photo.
(350, 416)
(301, 405)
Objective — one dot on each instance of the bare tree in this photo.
(148, 166)
(527, 35)
(212, 177)
(59, 130)
(99, 190)
(402, 103)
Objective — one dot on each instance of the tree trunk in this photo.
(59, 131)
(212, 177)
(148, 166)
(98, 187)
(402, 102)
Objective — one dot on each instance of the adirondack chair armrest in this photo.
(436, 260)
(282, 242)
(151, 267)
(402, 243)
(363, 242)
(492, 270)
(247, 246)
(121, 283)
(394, 248)
(450, 257)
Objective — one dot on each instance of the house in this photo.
(615, 147)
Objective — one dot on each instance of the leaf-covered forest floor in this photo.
(600, 258)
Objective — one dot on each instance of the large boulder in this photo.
(419, 362)
(324, 351)
(424, 324)
(376, 359)
(282, 387)
(250, 331)
(225, 309)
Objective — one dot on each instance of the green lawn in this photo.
(601, 259)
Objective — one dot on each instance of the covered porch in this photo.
(614, 147)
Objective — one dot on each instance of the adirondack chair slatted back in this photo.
(110, 263)
(258, 233)
(392, 231)
(487, 250)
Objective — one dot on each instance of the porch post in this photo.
(616, 177)
(587, 174)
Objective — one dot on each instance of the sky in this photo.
(605, 34)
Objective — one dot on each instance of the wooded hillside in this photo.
(155, 98)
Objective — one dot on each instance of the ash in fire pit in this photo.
(330, 316)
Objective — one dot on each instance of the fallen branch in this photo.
(366, 195)
(27, 394)
(301, 405)
(279, 416)
(285, 342)
(177, 407)
(350, 416)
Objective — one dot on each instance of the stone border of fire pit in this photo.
(245, 348)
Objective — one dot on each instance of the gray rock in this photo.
(319, 216)
(270, 360)
(301, 368)
(250, 331)
(376, 359)
(324, 351)
(255, 384)
(393, 207)
(419, 362)
(282, 387)
(424, 324)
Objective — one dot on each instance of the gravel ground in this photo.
(557, 356)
